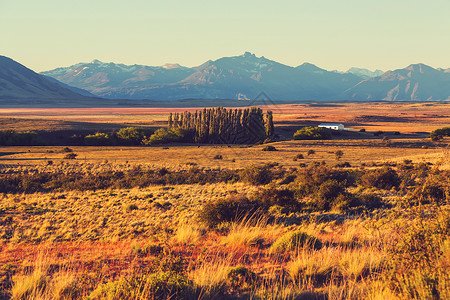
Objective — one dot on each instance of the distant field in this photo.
(356, 152)
(402, 117)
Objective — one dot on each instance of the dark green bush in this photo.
(70, 156)
(269, 148)
(99, 139)
(133, 135)
(24, 138)
(440, 132)
(294, 240)
(272, 196)
(383, 178)
(312, 133)
(166, 136)
(330, 194)
(229, 209)
(240, 278)
(257, 175)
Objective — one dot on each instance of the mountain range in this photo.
(241, 77)
(19, 82)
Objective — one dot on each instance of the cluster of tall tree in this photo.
(222, 126)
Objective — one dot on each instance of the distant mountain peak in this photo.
(419, 68)
(248, 54)
(171, 66)
(365, 73)
(96, 62)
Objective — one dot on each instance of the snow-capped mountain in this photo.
(417, 82)
(226, 78)
(365, 73)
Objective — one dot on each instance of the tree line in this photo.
(224, 126)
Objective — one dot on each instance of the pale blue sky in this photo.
(382, 34)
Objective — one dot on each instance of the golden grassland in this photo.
(356, 152)
(149, 242)
(386, 116)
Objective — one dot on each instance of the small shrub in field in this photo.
(294, 240)
(70, 156)
(269, 148)
(311, 152)
(312, 133)
(218, 156)
(338, 154)
(228, 209)
(299, 156)
(131, 207)
(66, 150)
(440, 133)
(257, 175)
(280, 197)
(330, 194)
(432, 191)
(344, 165)
(241, 278)
(370, 201)
(384, 178)
(99, 139)
(159, 285)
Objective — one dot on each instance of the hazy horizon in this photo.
(44, 35)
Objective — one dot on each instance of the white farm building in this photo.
(334, 126)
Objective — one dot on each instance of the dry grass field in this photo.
(173, 222)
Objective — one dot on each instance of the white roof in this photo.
(331, 124)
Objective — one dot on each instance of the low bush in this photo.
(280, 197)
(99, 139)
(312, 133)
(240, 278)
(233, 208)
(383, 178)
(133, 135)
(23, 138)
(294, 240)
(440, 133)
(257, 175)
(70, 156)
(269, 148)
(167, 136)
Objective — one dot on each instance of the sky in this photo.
(334, 35)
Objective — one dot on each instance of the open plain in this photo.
(188, 221)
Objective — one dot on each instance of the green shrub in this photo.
(280, 197)
(294, 240)
(257, 175)
(228, 209)
(310, 179)
(312, 133)
(98, 139)
(269, 148)
(440, 133)
(241, 278)
(383, 178)
(23, 138)
(166, 136)
(133, 135)
(299, 156)
(70, 156)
